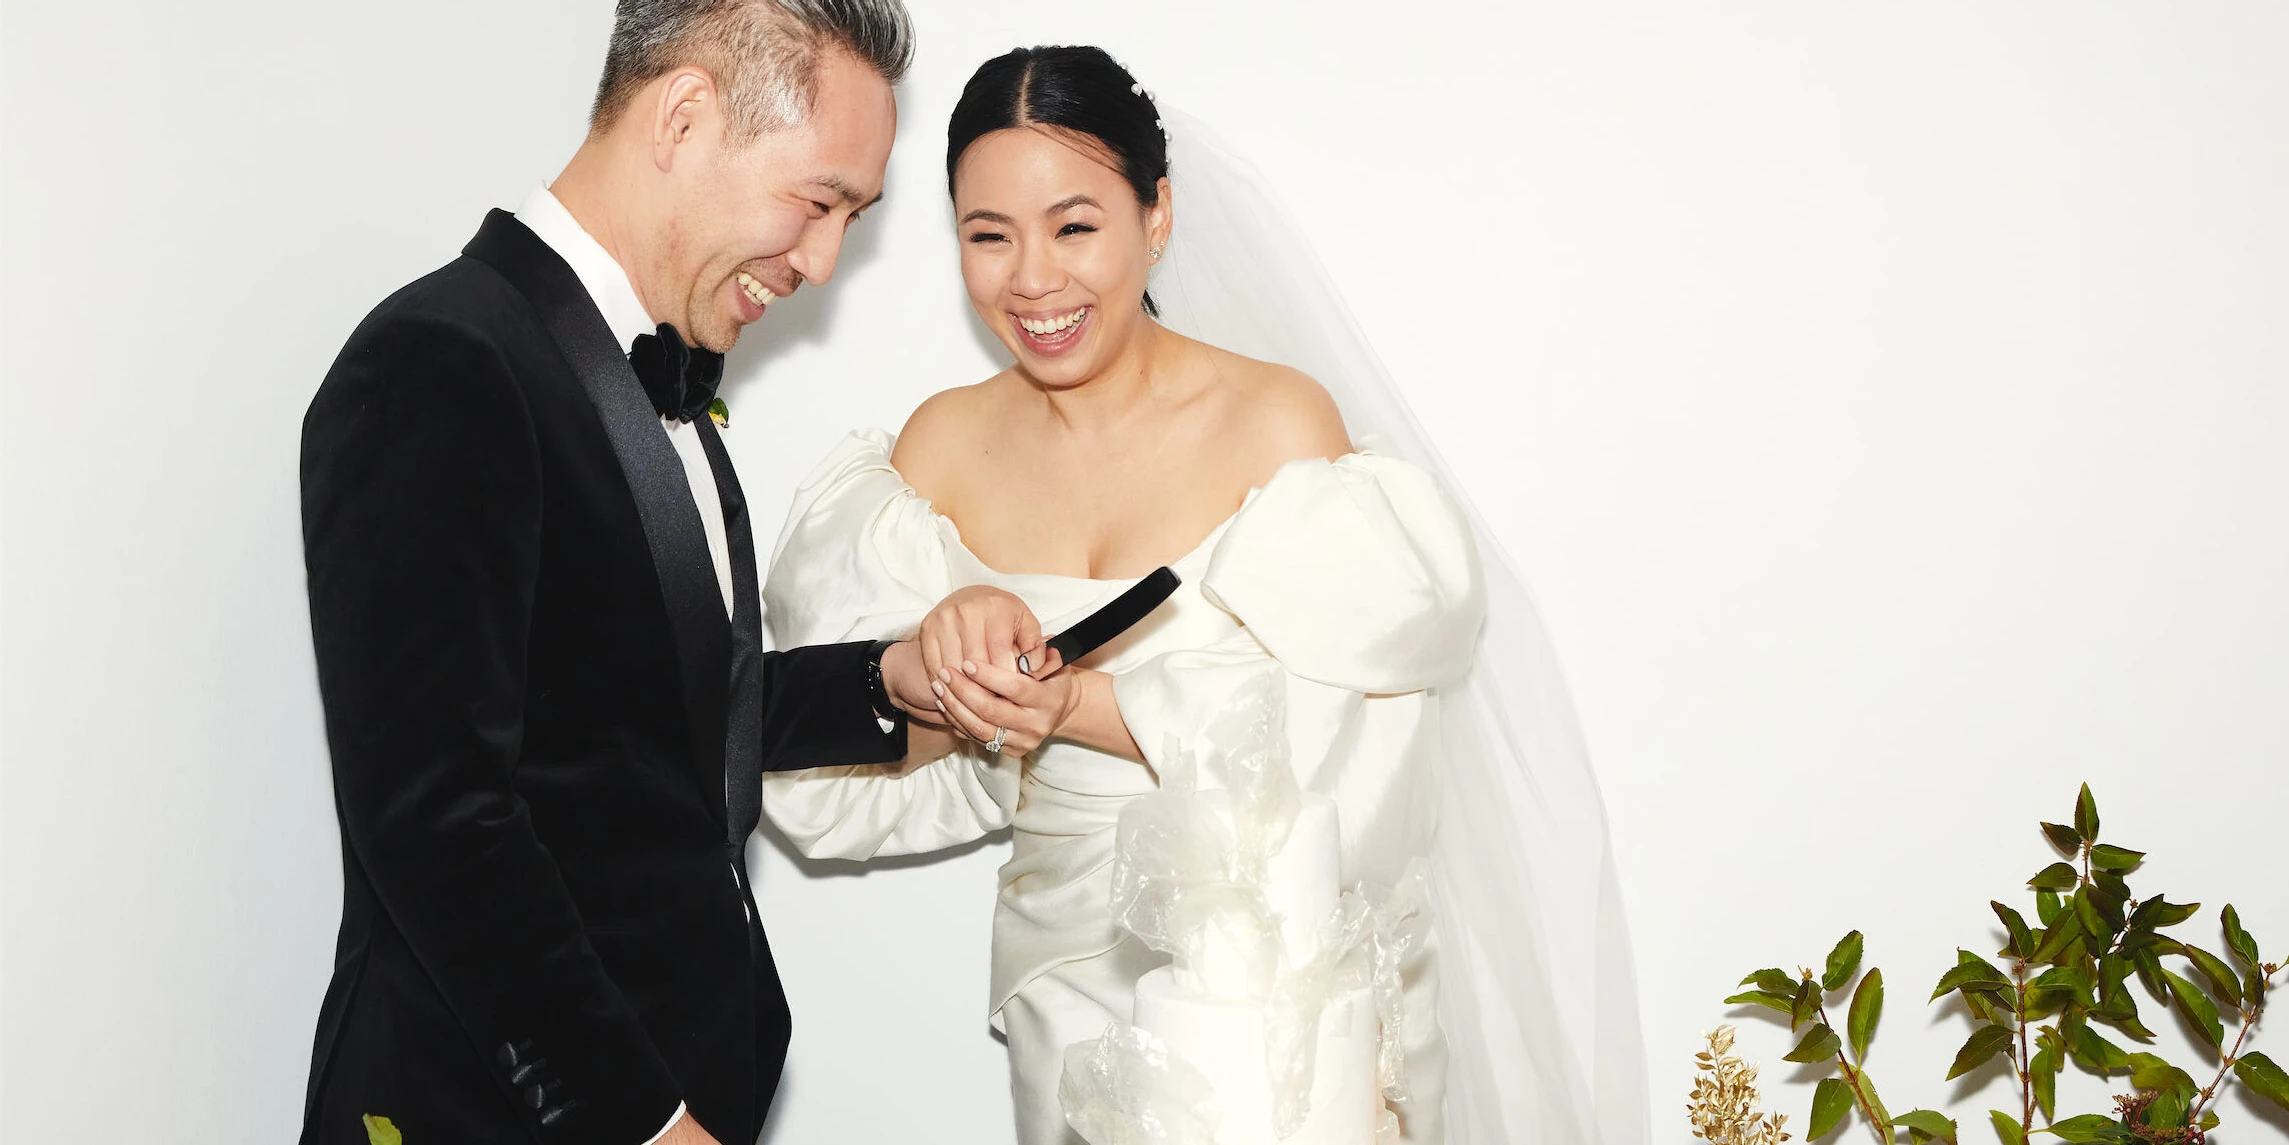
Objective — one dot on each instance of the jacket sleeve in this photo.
(421, 500)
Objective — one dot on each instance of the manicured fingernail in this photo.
(969, 668)
(938, 688)
(946, 673)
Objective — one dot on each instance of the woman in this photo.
(1113, 445)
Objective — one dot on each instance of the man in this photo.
(533, 597)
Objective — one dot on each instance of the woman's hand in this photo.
(981, 625)
(1004, 708)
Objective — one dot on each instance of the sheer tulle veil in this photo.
(1537, 989)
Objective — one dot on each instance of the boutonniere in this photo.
(720, 412)
(380, 1132)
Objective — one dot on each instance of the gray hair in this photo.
(764, 54)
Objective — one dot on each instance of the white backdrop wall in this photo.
(1886, 401)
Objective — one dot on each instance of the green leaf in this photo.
(1820, 1043)
(2149, 1071)
(1807, 1003)
(1985, 1042)
(2047, 907)
(2223, 981)
(2061, 935)
(721, 412)
(379, 1131)
(2015, 925)
(2056, 877)
(2263, 1077)
(1830, 1102)
(2209, 1120)
(2043, 1071)
(1766, 999)
(2244, 947)
(1868, 1090)
(2167, 1112)
(1842, 962)
(2108, 857)
(2197, 1007)
(2093, 1052)
(2007, 1128)
(1928, 1125)
(2088, 1128)
(2063, 837)
(1867, 1008)
(1975, 972)
(1776, 980)
(2158, 912)
(2086, 911)
(2086, 815)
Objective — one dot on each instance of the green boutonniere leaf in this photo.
(720, 412)
(380, 1132)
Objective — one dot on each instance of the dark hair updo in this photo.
(1080, 89)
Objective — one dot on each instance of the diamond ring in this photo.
(994, 745)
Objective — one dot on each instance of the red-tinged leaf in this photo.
(2015, 924)
(2063, 837)
(2086, 815)
(2197, 1008)
(2223, 981)
(2108, 857)
(1985, 1043)
(2056, 877)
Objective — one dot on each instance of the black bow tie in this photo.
(681, 380)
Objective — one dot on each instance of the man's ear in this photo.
(687, 106)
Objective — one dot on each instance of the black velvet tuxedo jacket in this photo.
(548, 739)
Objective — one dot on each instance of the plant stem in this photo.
(2025, 1062)
(2250, 1013)
(1852, 1078)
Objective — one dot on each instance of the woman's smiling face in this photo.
(1055, 249)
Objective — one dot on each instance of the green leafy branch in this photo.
(2073, 968)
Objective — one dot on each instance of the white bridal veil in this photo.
(1537, 990)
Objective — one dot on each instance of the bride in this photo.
(1155, 415)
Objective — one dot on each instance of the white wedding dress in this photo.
(1358, 577)
(1423, 698)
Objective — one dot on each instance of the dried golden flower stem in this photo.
(1724, 1100)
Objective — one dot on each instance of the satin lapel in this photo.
(743, 733)
(655, 477)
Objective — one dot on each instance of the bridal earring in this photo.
(1155, 252)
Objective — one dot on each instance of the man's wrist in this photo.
(899, 666)
(879, 692)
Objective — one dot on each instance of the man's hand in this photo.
(984, 626)
(685, 1131)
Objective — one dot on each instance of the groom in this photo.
(533, 596)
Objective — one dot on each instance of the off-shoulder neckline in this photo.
(953, 532)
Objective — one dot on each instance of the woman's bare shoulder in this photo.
(1279, 414)
(941, 432)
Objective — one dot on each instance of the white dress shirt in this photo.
(625, 314)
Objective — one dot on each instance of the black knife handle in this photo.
(1100, 627)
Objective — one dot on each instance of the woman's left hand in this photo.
(985, 701)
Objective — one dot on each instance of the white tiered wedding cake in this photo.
(1199, 1008)
(1272, 1023)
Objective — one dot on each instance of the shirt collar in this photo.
(607, 284)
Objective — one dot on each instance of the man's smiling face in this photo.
(756, 220)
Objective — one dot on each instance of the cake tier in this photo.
(1225, 1042)
(1303, 881)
